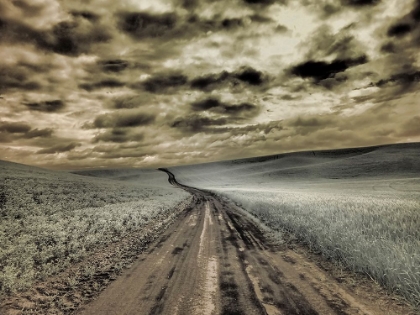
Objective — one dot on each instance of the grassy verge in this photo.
(81, 282)
(375, 235)
(51, 220)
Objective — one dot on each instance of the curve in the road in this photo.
(216, 260)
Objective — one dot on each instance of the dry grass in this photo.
(50, 220)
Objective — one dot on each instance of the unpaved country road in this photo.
(215, 260)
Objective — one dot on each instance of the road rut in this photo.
(216, 260)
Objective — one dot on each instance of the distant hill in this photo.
(387, 161)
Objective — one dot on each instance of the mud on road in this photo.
(216, 260)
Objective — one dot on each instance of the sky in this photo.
(139, 83)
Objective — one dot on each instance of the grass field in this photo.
(358, 207)
(49, 220)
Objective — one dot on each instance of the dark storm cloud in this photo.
(206, 104)
(113, 65)
(281, 29)
(403, 79)
(107, 83)
(70, 38)
(388, 48)
(145, 25)
(46, 106)
(207, 82)
(131, 101)
(14, 127)
(415, 14)
(17, 78)
(406, 24)
(221, 114)
(232, 23)
(127, 118)
(321, 70)
(324, 42)
(360, 3)
(240, 108)
(246, 75)
(10, 131)
(263, 3)
(289, 97)
(142, 25)
(118, 135)
(250, 76)
(188, 4)
(162, 82)
(258, 18)
(39, 133)
(215, 105)
(59, 148)
(401, 54)
(399, 30)
(310, 122)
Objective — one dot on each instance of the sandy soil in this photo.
(216, 260)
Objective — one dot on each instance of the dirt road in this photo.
(216, 260)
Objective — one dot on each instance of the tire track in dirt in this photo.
(216, 260)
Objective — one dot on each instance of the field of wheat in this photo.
(359, 208)
(49, 220)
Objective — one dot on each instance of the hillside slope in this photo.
(50, 220)
(358, 207)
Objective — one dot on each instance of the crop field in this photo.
(49, 220)
(359, 208)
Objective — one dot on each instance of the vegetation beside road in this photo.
(50, 220)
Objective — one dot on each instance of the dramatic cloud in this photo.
(246, 75)
(197, 123)
(104, 83)
(260, 2)
(210, 80)
(12, 131)
(131, 101)
(72, 37)
(141, 25)
(162, 82)
(250, 76)
(360, 3)
(399, 30)
(127, 118)
(107, 83)
(46, 106)
(14, 127)
(118, 135)
(116, 65)
(215, 105)
(86, 15)
(320, 70)
(12, 78)
(405, 79)
(39, 133)
(60, 148)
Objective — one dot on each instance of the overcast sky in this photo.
(140, 83)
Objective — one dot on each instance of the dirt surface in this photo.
(216, 260)
(83, 281)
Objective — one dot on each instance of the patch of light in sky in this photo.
(363, 92)
(154, 6)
